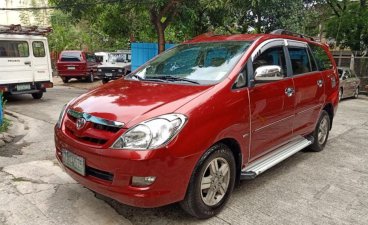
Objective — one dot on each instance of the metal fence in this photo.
(359, 62)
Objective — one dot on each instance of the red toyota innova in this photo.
(189, 124)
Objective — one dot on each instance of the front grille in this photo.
(103, 175)
(95, 131)
(96, 141)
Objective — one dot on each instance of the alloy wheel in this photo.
(215, 181)
(323, 130)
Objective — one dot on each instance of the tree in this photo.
(348, 25)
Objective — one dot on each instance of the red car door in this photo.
(271, 104)
(309, 87)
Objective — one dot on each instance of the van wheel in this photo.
(211, 184)
(65, 80)
(321, 132)
(104, 81)
(37, 95)
(91, 77)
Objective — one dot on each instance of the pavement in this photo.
(329, 187)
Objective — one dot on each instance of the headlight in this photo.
(120, 70)
(99, 70)
(61, 116)
(62, 113)
(151, 134)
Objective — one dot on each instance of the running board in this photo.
(259, 166)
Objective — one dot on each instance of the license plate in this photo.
(108, 74)
(23, 87)
(74, 162)
(71, 67)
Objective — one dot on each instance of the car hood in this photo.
(125, 100)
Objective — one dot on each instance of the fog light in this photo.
(143, 181)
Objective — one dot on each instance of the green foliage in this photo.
(5, 126)
(348, 26)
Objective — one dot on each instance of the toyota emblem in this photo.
(81, 122)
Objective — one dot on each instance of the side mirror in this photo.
(264, 74)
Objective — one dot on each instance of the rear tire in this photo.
(65, 79)
(37, 95)
(211, 184)
(91, 77)
(321, 132)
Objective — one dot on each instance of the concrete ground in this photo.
(330, 187)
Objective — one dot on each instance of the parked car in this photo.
(349, 83)
(77, 64)
(192, 122)
(25, 65)
(118, 65)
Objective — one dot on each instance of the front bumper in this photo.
(109, 75)
(117, 167)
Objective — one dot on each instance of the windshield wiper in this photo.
(173, 78)
(145, 79)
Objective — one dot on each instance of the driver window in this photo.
(271, 57)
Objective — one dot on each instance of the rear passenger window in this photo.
(322, 59)
(38, 49)
(14, 49)
(272, 56)
(299, 60)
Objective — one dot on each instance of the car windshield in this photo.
(200, 63)
(113, 58)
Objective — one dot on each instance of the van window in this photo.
(14, 49)
(71, 57)
(299, 60)
(38, 49)
(322, 59)
(272, 56)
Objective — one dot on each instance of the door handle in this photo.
(320, 83)
(289, 91)
(27, 63)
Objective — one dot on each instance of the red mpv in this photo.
(189, 124)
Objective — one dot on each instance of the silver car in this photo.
(349, 83)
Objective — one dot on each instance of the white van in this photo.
(25, 65)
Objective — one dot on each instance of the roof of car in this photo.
(209, 37)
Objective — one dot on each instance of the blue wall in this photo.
(142, 52)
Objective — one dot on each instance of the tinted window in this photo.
(71, 57)
(38, 49)
(272, 56)
(322, 59)
(299, 60)
(14, 49)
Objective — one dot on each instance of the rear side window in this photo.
(71, 57)
(14, 49)
(38, 49)
(322, 59)
(299, 60)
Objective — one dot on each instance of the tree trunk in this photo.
(160, 29)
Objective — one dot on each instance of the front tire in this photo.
(321, 132)
(356, 94)
(104, 81)
(65, 79)
(37, 95)
(211, 184)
